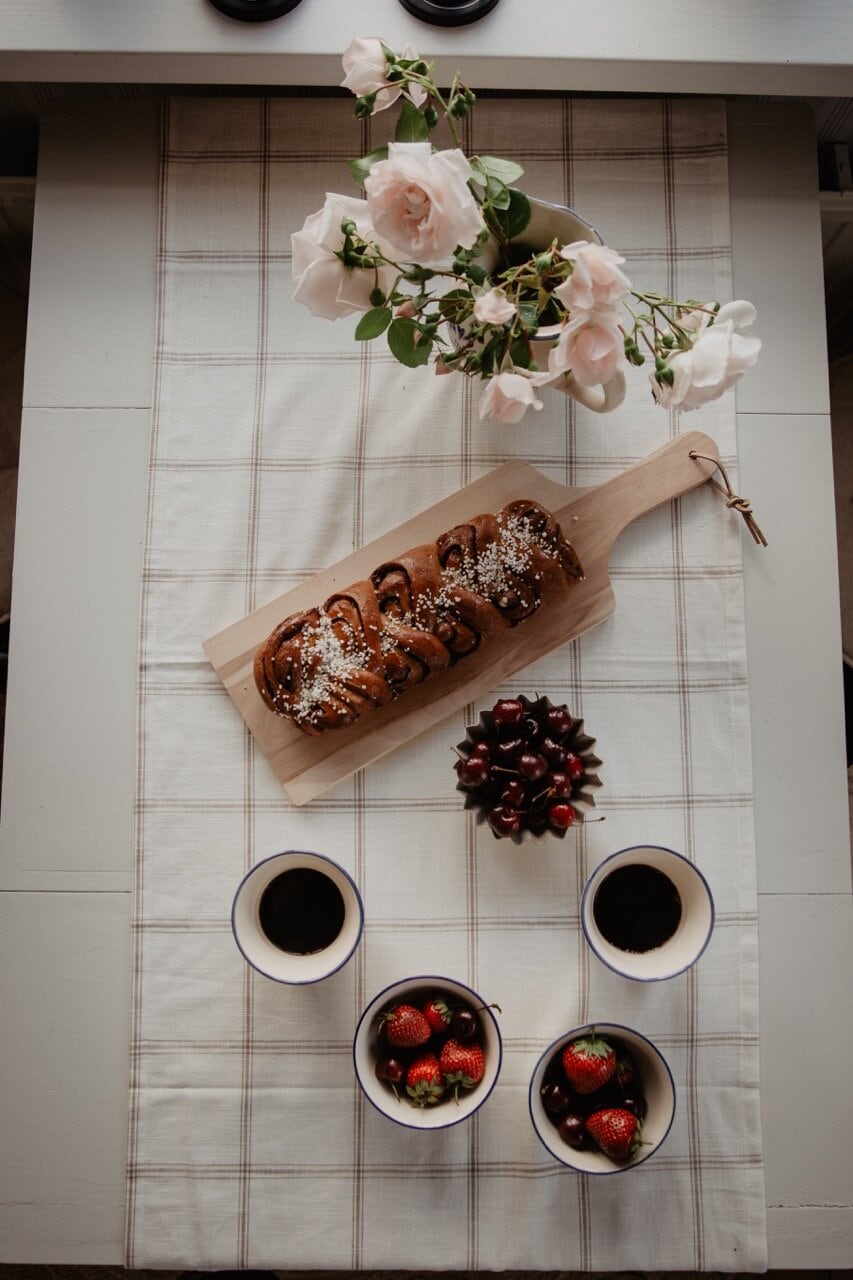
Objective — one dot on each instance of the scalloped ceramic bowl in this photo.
(657, 1085)
(577, 740)
(366, 1052)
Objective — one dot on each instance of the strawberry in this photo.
(616, 1131)
(423, 1081)
(462, 1065)
(405, 1026)
(588, 1062)
(438, 1014)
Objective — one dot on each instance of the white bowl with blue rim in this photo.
(272, 960)
(692, 932)
(653, 1079)
(368, 1048)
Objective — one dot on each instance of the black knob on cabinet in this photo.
(254, 10)
(449, 13)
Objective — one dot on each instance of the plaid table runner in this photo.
(279, 445)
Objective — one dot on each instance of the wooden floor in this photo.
(13, 1272)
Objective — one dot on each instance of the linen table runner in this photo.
(279, 444)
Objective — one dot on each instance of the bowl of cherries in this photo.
(602, 1099)
(528, 769)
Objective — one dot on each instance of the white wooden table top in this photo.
(662, 46)
(66, 834)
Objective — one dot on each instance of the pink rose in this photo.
(420, 201)
(717, 360)
(507, 397)
(493, 307)
(591, 347)
(323, 284)
(596, 280)
(366, 69)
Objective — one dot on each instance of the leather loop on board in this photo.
(732, 499)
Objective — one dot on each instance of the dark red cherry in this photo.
(574, 766)
(507, 749)
(464, 1024)
(508, 711)
(559, 720)
(532, 765)
(390, 1069)
(624, 1072)
(553, 752)
(530, 730)
(481, 749)
(514, 793)
(473, 772)
(536, 820)
(560, 784)
(560, 815)
(573, 1131)
(556, 1100)
(504, 820)
(634, 1102)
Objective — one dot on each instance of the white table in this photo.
(661, 46)
(66, 836)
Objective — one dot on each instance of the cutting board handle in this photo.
(663, 475)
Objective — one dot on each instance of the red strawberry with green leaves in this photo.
(424, 1084)
(438, 1014)
(405, 1026)
(616, 1131)
(462, 1065)
(588, 1062)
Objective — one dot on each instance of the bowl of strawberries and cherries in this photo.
(602, 1099)
(427, 1052)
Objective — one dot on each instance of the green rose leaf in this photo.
(520, 353)
(411, 126)
(497, 194)
(513, 220)
(456, 305)
(529, 313)
(360, 168)
(505, 171)
(372, 323)
(401, 340)
(491, 354)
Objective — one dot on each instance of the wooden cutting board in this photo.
(591, 518)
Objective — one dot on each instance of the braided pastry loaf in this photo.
(324, 668)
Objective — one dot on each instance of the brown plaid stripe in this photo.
(278, 444)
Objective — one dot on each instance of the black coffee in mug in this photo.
(302, 911)
(637, 908)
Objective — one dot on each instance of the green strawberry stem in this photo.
(593, 1045)
(424, 1094)
(458, 1080)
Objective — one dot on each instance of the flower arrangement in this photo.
(433, 256)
